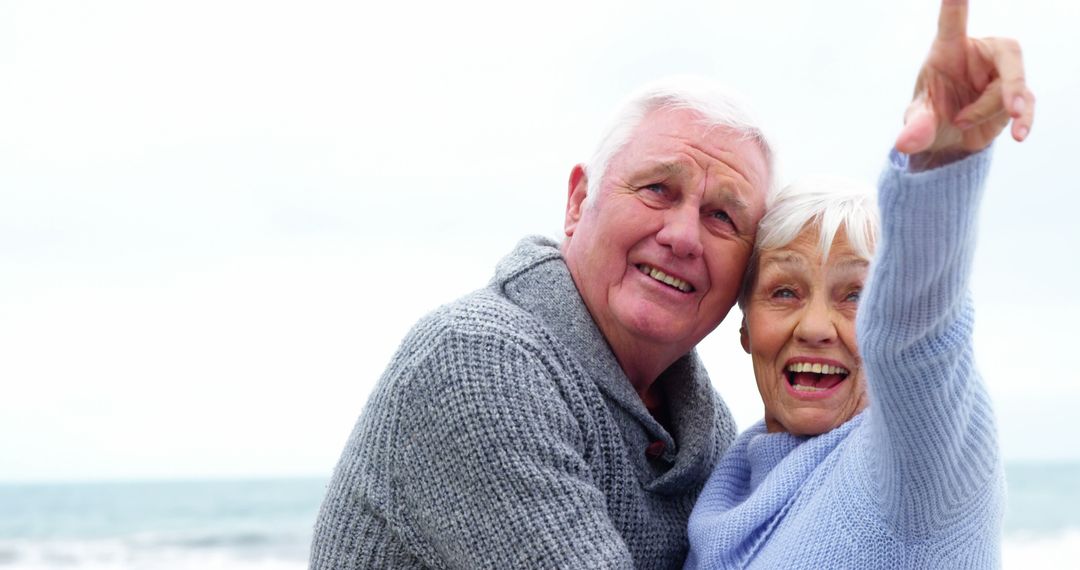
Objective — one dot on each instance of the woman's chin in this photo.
(809, 421)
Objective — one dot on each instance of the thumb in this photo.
(920, 127)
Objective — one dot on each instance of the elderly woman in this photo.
(878, 447)
(874, 454)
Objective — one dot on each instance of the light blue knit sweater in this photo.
(914, 481)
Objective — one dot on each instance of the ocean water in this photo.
(266, 524)
(235, 525)
(1042, 518)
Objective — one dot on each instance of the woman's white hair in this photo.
(717, 105)
(827, 203)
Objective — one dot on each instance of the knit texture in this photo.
(504, 434)
(915, 480)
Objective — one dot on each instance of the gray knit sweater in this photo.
(504, 435)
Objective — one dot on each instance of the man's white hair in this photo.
(827, 203)
(717, 106)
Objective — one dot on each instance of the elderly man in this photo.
(559, 417)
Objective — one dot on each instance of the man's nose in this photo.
(816, 325)
(682, 231)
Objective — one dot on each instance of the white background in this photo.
(218, 218)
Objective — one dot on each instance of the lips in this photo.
(669, 280)
(808, 378)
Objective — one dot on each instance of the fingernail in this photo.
(1019, 104)
(963, 125)
(1022, 133)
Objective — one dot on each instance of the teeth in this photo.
(801, 388)
(665, 278)
(817, 368)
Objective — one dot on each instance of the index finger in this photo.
(952, 21)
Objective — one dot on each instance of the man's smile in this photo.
(664, 278)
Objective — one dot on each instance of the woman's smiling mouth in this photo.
(806, 378)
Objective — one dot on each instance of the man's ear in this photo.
(575, 198)
(744, 337)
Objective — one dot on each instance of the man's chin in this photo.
(665, 328)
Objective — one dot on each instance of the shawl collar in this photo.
(535, 277)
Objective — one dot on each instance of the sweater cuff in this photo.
(900, 163)
(939, 201)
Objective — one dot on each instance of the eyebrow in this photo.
(659, 169)
(850, 266)
(791, 259)
(799, 262)
(729, 196)
(856, 262)
(734, 201)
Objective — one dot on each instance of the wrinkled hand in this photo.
(967, 92)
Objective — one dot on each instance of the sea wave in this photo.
(1044, 551)
(1020, 550)
(121, 554)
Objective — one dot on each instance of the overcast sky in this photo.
(218, 218)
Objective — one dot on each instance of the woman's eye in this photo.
(853, 297)
(783, 293)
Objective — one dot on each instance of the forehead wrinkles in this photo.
(728, 160)
(783, 260)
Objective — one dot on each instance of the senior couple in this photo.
(560, 418)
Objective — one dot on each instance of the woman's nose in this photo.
(816, 326)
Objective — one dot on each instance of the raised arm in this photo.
(934, 439)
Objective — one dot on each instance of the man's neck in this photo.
(643, 365)
(655, 401)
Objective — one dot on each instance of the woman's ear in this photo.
(744, 337)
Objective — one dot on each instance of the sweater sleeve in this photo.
(933, 444)
(490, 470)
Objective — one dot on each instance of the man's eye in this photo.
(853, 297)
(723, 217)
(655, 188)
